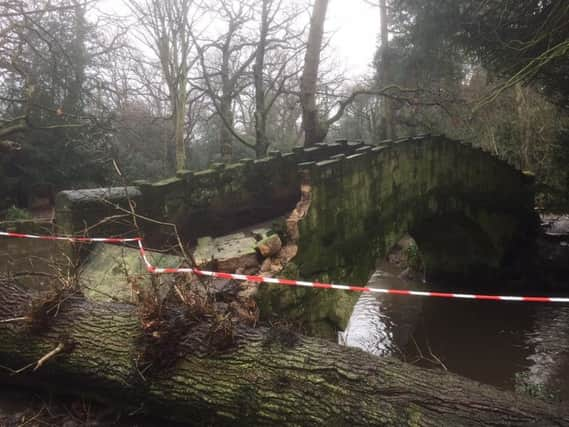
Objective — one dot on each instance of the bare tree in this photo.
(261, 142)
(225, 61)
(387, 129)
(245, 69)
(317, 119)
(279, 45)
(51, 66)
(384, 77)
(166, 27)
(315, 129)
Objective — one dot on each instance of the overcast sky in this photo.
(353, 25)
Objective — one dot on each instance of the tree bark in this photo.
(385, 74)
(225, 135)
(261, 141)
(314, 129)
(264, 377)
(226, 101)
(179, 126)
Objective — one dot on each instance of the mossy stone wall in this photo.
(210, 202)
(364, 203)
(468, 211)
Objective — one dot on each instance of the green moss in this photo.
(290, 271)
(167, 182)
(414, 416)
(16, 214)
(362, 206)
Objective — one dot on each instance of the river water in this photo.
(511, 345)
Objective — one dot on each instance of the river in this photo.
(511, 345)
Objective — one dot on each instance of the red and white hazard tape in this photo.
(73, 239)
(287, 282)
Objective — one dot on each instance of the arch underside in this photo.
(458, 239)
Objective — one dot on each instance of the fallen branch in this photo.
(60, 347)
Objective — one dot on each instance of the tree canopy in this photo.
(522, 41)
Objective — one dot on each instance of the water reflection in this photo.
(369, 328)
(382, 325)
(549, 346)
(503, 344)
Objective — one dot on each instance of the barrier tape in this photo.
(287, 282)
(73, 239)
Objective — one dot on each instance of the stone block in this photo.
(270, 246)
(115, 273)
(228, 252)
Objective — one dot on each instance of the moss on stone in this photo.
(363, 205)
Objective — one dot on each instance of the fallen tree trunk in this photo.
(264, 376)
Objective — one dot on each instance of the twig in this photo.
(131, 204)
(435, 357)
(420, 353)
(188, 257)
(15, 319)
(32, 419)
(432, 359)
(137, 410)
(34, 273)
(155, 221)
(140, 373)
(18, 371)
(60, 347)
(182, 297)
(105, 220)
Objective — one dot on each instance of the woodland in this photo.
(94, 98)
(182, 84)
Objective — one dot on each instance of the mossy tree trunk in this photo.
(263, 377)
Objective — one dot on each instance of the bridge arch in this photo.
(468, 210)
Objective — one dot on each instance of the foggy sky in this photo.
(353, 25)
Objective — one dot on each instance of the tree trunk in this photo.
(73, 102)
(180, 113)
(385, 75)
(226, 107)
(263, 377)
(225, 136)
(261, 142)
(314, 129)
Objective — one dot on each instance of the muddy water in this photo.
(516, 346)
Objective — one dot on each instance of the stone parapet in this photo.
(214, 201)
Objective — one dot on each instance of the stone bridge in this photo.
(469, 212)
